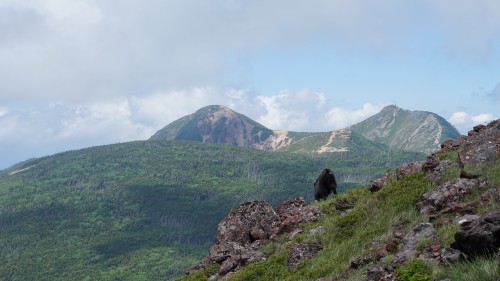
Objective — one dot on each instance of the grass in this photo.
(416, 270)
(373, 216)
(481, 269)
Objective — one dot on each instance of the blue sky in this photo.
(80, 73)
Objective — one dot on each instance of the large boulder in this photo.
(239, 237)
(479, 237)
(241, 234)
(252, 221)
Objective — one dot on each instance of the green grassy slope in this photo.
(146, 210)
(374, 217)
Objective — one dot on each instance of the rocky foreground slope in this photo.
(457, 218)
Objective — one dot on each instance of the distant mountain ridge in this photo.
(393, 127)
(408, 130)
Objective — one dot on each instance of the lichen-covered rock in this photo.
(482, 144)
(241, 234)
(294, 212)
(449, 255)
(302, 251)
(252, 221)
(445, 195)
(414, 240)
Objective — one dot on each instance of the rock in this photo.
(430, 163)
(241, 234)
(358, 262)
(408, 169)
(479, 128)
(482, 144)
(466, 175)
(294, 212)
(316, 230)
(480, 237)
(412, 241)
(377, 184)
(251, 221)
(466, 220)
(447, 146)
(398, 234)
(445, 195)
(375, 273)
(435, 173)
(449, 255)
(491, 194)
(300, 252)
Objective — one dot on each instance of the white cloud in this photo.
(464, 121)
(108, 121)
(339, 118)
(293, 111)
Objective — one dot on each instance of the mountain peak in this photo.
(215, 124)
(390, 108)
(408, 130)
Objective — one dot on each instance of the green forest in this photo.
(147, 210)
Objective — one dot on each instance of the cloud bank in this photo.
(76, 51)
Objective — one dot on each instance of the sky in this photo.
(81, 73)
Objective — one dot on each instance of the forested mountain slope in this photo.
(147, 210)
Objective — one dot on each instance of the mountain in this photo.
(216, 124)
(393, 127)
(408, 130)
